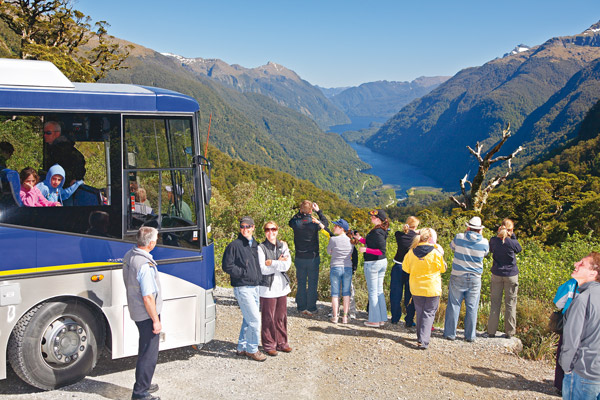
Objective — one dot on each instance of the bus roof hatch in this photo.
(32, 73)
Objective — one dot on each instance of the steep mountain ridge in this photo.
(384, 98)
(477, 102)
(273, 80)
(253, 128)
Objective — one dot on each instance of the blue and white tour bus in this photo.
(137, 150)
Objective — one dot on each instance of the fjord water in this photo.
(393, 172)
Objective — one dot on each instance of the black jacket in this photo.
(306, 234)
(376, 240)
(404, 241)
(504, 255)
(240, 261)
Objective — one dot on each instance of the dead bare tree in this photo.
(477, 196)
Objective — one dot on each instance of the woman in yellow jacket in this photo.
(425, 264)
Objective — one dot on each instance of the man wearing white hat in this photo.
(469, 248)
(182, 210)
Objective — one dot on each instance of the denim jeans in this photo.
(399, 286)
(248, 299)
(374, 273)
(575, 387)
(343, 276)
(307, 268)
(465, 287)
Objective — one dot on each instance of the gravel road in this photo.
(328, 361)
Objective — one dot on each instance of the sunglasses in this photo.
(246, 226)
(273, 229)
(49, 132)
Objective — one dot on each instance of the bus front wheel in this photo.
(55, 344)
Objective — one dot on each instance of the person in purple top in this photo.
(505, 277)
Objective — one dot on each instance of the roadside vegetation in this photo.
(542, 267)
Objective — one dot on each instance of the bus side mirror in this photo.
(206, 188)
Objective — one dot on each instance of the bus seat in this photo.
(85, 196)
(11, 186)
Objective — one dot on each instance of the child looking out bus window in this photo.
(52, 187)
(30, 194)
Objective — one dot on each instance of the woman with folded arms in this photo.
(274, 259)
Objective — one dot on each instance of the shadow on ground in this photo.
(501, 379)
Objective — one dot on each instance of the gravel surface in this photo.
(328, 361)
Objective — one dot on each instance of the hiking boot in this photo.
(258, 356)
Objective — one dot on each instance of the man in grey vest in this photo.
(145, 303)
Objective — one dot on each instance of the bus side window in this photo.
(88, 147)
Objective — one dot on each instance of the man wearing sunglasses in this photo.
(240, 261)
(60, 150)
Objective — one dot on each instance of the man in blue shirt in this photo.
(144, 301)
(469, 248)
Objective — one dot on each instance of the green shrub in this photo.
(541, 269)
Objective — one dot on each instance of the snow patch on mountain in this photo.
(518, 49)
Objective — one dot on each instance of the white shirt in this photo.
(280, 287)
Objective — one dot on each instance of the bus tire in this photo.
(77, 334)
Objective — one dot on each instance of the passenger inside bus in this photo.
(61, 150)
(52, 186)
(6, 152)
(178, 207)
(142, 205)
(99, 223)
(30, 194)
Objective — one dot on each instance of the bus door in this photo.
(160, 174)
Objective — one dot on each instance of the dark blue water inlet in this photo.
(392, 171)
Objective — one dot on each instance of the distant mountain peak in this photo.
(593, 29)
(518, 49)
(273, 80)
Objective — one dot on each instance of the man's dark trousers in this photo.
(147, 358)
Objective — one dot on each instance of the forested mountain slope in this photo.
(384, 98)
(275, 81)
(253, 128)
(537, 91)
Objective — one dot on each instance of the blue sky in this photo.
(344, 43)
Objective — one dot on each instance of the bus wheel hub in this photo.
(64, 341)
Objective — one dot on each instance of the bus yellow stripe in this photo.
(56, 268)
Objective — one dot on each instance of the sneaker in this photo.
(307, 313)
(153, 388)
(352, 316)
(372, 324)
(470, 340)
(409, 324)
(506, 336)
(487, 335)
(450, 338)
